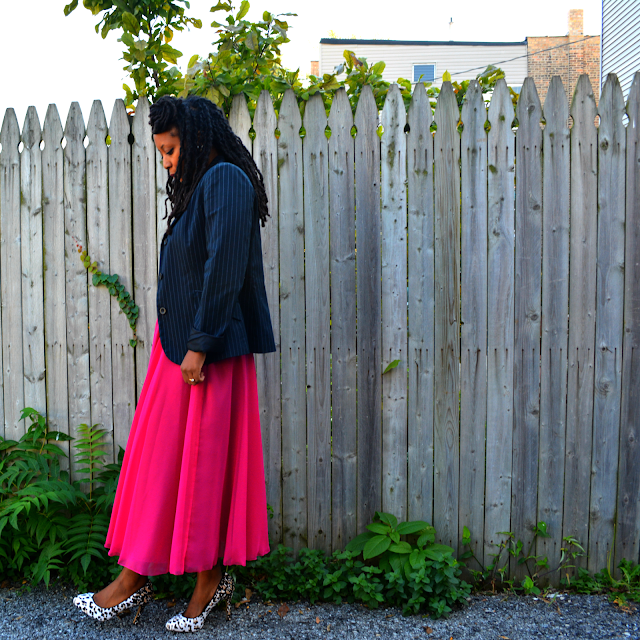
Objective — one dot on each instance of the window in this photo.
(424, 72)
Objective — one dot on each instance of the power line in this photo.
(526, 55)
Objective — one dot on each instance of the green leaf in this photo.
(70, 7)
(244, 9)
(130, 23)
(391, 365)
(170, 54)
(376, 546)
(446, 77)
(358, 543)
(401, 547)
(378, 527)
(127, 38)
(388, 518)
(427, 537)
(252, 41)
(133, 343)
(406, 528)
(378, 68)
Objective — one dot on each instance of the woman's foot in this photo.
(206, 586)
(127, 583)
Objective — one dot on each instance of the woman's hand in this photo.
(191, 367)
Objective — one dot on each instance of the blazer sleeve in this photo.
(228, 199)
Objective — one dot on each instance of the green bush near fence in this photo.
(52, 527)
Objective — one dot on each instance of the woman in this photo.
(192, 491)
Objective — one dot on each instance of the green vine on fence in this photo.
(115, 288)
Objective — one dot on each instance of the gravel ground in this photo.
(47, 615)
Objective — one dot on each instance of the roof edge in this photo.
(421, 42)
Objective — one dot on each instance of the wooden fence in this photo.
(501, 267)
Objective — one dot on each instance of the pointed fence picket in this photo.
(473, 346)
(420, 349)
(609, 319)
(343, 322)
(446, 464)
(555, 309)
(528, 265)
(582, 297)
(517, 297)
(628, 511)
(265, 155)
(11, 277)
(500, 322)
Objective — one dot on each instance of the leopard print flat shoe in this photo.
(86, 604)
(224, 591)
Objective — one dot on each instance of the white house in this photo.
(428, 60)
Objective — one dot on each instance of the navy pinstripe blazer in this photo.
(211, 295)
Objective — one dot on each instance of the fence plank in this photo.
(447, 317)
(121, 262)
(500, 322)
(609, 318)
(628, 515)
(394, 304)
(368, 309)
(555, 309)
(294, 485)
(98, 248)
(145, 236)
(582, 327)
(240, 120)
(526, 385)
(35, 392)
(473, 351)
(343, 321)
(316, 241)
(420, 353)
(55, 318)
(11, 282)
(265, 154)
(76, 274)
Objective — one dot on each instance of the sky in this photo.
(50, 58)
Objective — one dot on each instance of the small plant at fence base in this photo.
(115, 288)
(619, 591)
(537, 566)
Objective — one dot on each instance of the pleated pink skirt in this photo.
(192, 488)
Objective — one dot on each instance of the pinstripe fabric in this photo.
(211, 295)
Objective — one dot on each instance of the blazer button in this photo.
(162, 311)
(160, 276)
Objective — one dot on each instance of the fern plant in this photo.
(47, 522)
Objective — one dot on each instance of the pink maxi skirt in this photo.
(192, 486)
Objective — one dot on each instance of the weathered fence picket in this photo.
(98, 247)
(315, 149)
(500, 269)
(32, 264)
(526, 378)
(420, 349)
(292, 329)
(343, 322)
(76, 279)
(446, 465)
(582, 298)
(121, 263)
(628, 511)
(369, 317)
(265, 154)
(609, 318)
(555, 309)
(11, 274)
(393, 156)
(55, 312)
(473, 318)
(500, 323)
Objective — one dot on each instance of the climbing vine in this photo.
(115, 288)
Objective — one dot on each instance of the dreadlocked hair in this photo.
(201, 127)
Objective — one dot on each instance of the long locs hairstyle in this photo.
(201, 127)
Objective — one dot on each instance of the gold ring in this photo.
(192, 379)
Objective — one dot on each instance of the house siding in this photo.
(456, 58)
(621, 40)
